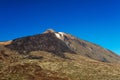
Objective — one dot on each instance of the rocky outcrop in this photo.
(42, 42)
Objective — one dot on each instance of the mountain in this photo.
(56, 56)
(58, 43)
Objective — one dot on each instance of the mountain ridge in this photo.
(59, 43)
(57, 56)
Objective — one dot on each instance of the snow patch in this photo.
(60, 35)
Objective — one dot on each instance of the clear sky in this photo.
(97, 21)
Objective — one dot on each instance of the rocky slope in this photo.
(56, 68)
(58, 43)
(56, 56)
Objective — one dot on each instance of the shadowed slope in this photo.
(44, 42)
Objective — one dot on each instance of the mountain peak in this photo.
(59, 43)
(49, 31)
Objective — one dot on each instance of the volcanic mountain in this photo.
(58, 43)
(56, 56)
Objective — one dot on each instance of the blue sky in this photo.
(97, 21)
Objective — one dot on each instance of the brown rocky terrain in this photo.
(60, 42)
(57, 56)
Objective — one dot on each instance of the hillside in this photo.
(55, 68)
(60, 42)
(57, 56)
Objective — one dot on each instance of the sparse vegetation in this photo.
(55, 68)
(45, 57)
